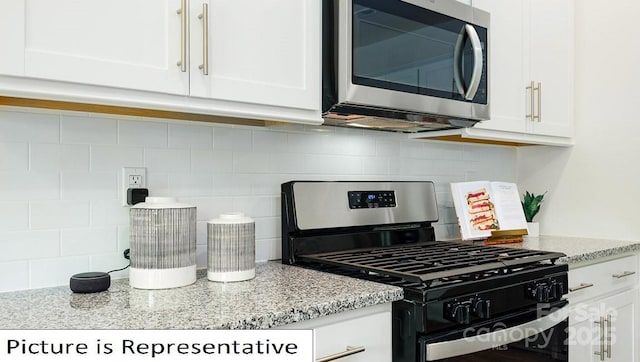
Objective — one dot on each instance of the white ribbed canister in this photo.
(163, 244)
(231, 248)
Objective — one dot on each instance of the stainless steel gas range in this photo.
(462, 302)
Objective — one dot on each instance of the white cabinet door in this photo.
(131, 44)
(12, 37)
(260, 52)
(551, 52)
(607, 325)
(508, 65)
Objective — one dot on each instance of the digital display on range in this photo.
(371, 199)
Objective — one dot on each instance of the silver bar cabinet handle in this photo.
(531, 100)
(182, 63)
(205, 39)
(539, 102)
(350, 351)
(602, 349)
(608, 335)
(581, 286)
(624, 274)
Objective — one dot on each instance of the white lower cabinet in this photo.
(603, 323)
(362, 335)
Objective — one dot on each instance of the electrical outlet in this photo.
(132, 178)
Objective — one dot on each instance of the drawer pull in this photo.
(624, 274)
(581, 286)
(350, 351)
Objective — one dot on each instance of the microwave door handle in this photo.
(441, 350)
(478, 62)
(457, 62)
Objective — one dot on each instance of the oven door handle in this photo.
(476, 343)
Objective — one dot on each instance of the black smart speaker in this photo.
(90, 282)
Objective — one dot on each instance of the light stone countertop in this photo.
(579, 250)
(279, 295)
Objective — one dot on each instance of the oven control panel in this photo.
(371, 199)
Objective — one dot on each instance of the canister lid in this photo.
(232, 218)
(157, 202)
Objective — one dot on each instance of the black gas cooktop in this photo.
(433, 261)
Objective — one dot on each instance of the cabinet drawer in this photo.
(372, 332)
(603, 278)
(369, 328)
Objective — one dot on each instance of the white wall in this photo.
(592, 187)
(60, 211)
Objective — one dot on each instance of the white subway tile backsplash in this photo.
(190, 185)
(254, 206)
(14, 156)
(25, 245)
(190, 136)
(14, 216)
(143, 133)
(52, 272)
(167, 160)
(88, 130)
(232, 184)
(233, 139)
(123, 237)
(211, 162)
(267, 141)
(29, 127)
(88, 186)
(201, 233)
(20, 186)
(158, 184)
(109, 212)
(267, 227)
(58, 214)
(87, 241)
(14, 276)
(60, 207)
(329, 164)
(375, 165)
(268, 249)
(57, 157)
(112, 158)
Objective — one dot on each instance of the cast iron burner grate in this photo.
(425, 262)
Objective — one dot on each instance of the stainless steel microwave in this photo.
(404, 65)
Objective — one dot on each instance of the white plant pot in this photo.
(534, 229)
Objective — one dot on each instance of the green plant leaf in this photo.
(531, 205)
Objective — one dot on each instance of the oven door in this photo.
(532, 335)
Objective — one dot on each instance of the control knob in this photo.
(458, 312)
(481, 308)
(544, 292)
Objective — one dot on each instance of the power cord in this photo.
(126, 256)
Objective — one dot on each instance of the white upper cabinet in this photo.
(12, 37)
(264, 52)
(531, 66)
(261, 58)
(552, 65)
(132, 44)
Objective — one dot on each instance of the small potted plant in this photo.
(531, 206)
